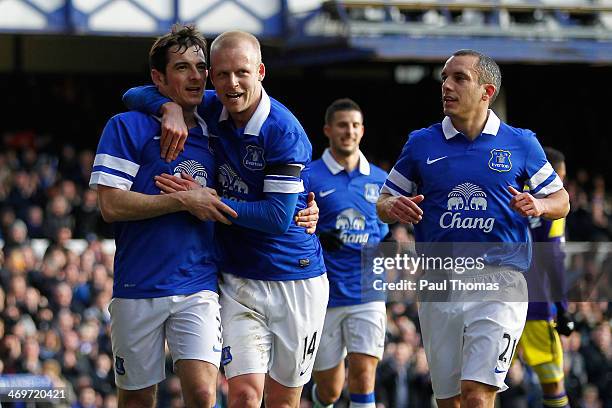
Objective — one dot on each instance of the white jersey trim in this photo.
(540, 176)
(334, 167)
(254, 125)
(110, 180)
(116, 163)
(386, 189)
(552, 187)
(283, 186)
(491, 127)
(402, 182)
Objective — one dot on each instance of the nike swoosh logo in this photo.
(499, 371)
(326, 193)
(216, 350)
(435, 160)
(307, 368)
(156, 137)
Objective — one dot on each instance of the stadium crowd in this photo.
(54, 298)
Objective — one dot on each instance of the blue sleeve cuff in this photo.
(273, 215)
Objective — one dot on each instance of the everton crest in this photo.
(254, 158)
(500, 160)
(226, 356)
(371, 192)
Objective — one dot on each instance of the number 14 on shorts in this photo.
(310, 346)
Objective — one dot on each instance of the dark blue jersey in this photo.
(168, 255)
(465, 185)
(347, 203)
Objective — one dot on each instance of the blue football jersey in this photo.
(347, 203)
(465, 184)
(172, 254)
(249, 162)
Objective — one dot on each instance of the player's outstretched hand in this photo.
(309, 216)
(404, 209)
(525, 204)
(173, 131)
(207, 206)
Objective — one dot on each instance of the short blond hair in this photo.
(232, 39)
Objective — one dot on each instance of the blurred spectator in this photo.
(68, 190)
(573, 366)
(88, 216)
(22, 193)
(598, 360)
(35, 221)
(58, 216)
(517, 395)
(403, 378)
(7, 218)
(68, 166)
(30, 362)
(51, 345)
(590, 398)
(87, 398)
(48, 277)
(17, 235)
(589, 217)
(52, 370)
(103, 375)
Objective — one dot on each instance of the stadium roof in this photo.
(318, 32)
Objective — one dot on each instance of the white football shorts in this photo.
(473, 340)
(356, 329)
(140, 327)
(272, 327)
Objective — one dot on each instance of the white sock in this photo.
(362, 401)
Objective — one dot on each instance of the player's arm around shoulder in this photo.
(116, 166)
(121, 205)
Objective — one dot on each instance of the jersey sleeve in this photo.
(145, 99)
(401, 178)
(287, 157)
(148, 99)
(116, 162)
(542, 179)
(272, 215)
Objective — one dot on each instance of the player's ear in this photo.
(211, 75)
(489, 92)
(157, 77)
(261, 71)
(326, 130)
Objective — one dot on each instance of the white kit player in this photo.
(459, 181)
